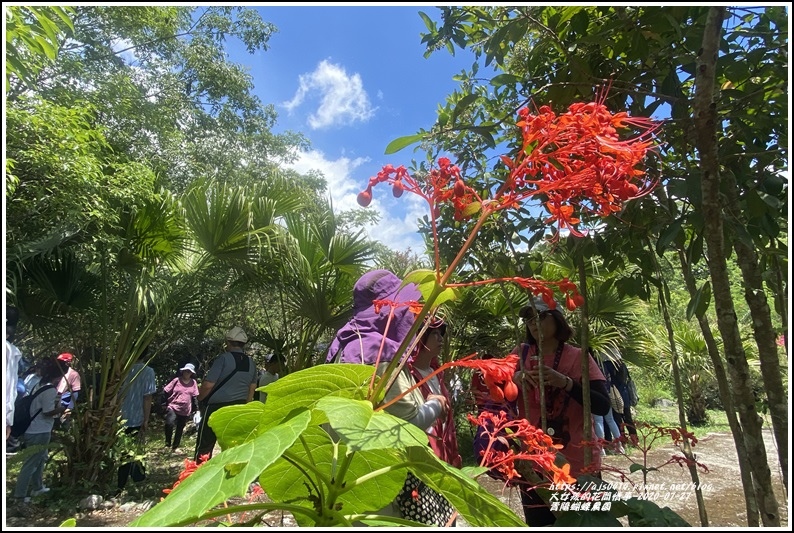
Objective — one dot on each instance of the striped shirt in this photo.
(139, 382)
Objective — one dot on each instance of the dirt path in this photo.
(721, 486)
(721, 489)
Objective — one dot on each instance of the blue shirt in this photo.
(139, 382)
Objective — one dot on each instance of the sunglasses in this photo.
(539, 316)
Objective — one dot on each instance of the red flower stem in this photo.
(451, 268)
(389, 374)
(380, 349)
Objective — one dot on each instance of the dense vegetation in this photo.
(133, 218)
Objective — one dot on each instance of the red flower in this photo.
(190, 467)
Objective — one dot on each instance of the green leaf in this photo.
(362, 428)
(429, 24)
(304, 388)
(699, 303)
(447, 295)
(285, 482)
(475, 504)
(212, 483)
(462, 104)
(420, 277)
(401, 142)
(504, 79)
(580, 21)
(635, 467)
(645, 513)
(671, 234)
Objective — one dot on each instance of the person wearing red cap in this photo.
(69, 386)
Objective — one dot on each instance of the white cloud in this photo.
(342, 98)
(397, 228)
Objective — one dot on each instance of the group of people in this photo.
(373, 335)
(52, 386)
(231, 380)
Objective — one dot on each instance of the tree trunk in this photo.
(706, 124)
(727, 400)
(679, 391)
(763, 332)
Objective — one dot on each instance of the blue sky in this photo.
(352, 79)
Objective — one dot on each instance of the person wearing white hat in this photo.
(231, 380)
(180, 393)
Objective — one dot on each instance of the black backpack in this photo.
(22, 416)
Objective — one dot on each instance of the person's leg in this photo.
(34, 463)
(628, 421)
(170, 419)
(180, 428)
(206, 439)
(536, 511)
(598, 422)
(618, 418)
(612, 426)
(37, 481)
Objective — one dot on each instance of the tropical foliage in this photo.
(145, 206)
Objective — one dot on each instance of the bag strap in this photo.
(222, 382)
(33, 397)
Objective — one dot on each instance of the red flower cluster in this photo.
(497, 375)
(512, 440)
(190, 467)
(575, 161)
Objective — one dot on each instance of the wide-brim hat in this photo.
(188, 366)
(236, 334)
(540, 306)
(66, 357)
(360, 340)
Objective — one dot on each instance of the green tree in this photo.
(33, 37)
(646, 56)
(163, 89)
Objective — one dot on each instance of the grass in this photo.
(61, 503)
(668, 416)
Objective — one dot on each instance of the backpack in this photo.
(633, 396)
(22, 416)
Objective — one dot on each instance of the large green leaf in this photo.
(285, 482)
(645, 513)
(305, 387)
(225, 475)
(479, 507)
(362, 428)
(699, 303)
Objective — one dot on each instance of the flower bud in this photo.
(364, 198)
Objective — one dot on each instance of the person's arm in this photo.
(599, 397)
(251, 390)
(58, 407)
(206, 388)
(147, 409)
(435, 406)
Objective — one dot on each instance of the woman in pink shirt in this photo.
(179, 393)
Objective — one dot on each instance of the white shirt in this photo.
(12, 357)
